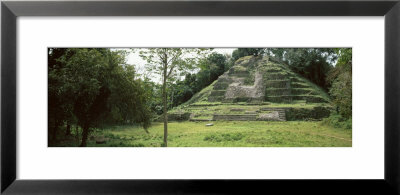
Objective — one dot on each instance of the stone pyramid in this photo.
(259, 79)
(256, 88)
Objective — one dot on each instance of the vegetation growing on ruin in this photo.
(249, 97)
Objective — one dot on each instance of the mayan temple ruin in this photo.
(256, 88)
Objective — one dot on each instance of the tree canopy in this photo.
(92, 86)
(341, 79)
(312, 63)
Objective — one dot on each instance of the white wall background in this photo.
(364, 160)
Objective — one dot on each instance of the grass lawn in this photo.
(223, 134)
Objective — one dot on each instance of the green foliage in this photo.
(341, 77)
(250, 79)
(345, 58)
(295, 110)
(211, 67)
(315, 89)
(170, 63)
(59, 101)
(224, 137)
(121, 144)
(341, 92)
(312, 63)
(337, 121)
(92, 86)
(200, 96)
(129, 98)
(241, 52)
(228, 134)
(314, 113)
(239, 68)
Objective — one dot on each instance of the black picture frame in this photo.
(10, 10)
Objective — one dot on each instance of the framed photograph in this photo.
(222, 97)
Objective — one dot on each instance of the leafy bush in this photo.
(341, 92)
(224, 137)
(338, 121)
(317, 112)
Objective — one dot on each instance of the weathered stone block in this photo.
(272, 116)
(235, 117)
(282, 98)
(224, 79)
(301, 91)
(299, 85)
(100, 140)
(221, 85)
(276, 76)
(293, 114)
(217, 92)
(277, 84)
(250, 112)
(241, 74)
(238, 92)
(215, 98)
(277, 91)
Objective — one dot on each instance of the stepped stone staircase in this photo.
(281, 112)
(258, 79)
(257, 88)
(235, 117)
(263, 114)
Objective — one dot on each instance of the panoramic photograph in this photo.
(199, 97)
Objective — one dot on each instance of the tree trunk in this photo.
(55, 130)
(172, 98)
(68, 132)
(165, 103)
(77, 133)
(85, 132)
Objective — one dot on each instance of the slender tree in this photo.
(170, 63)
